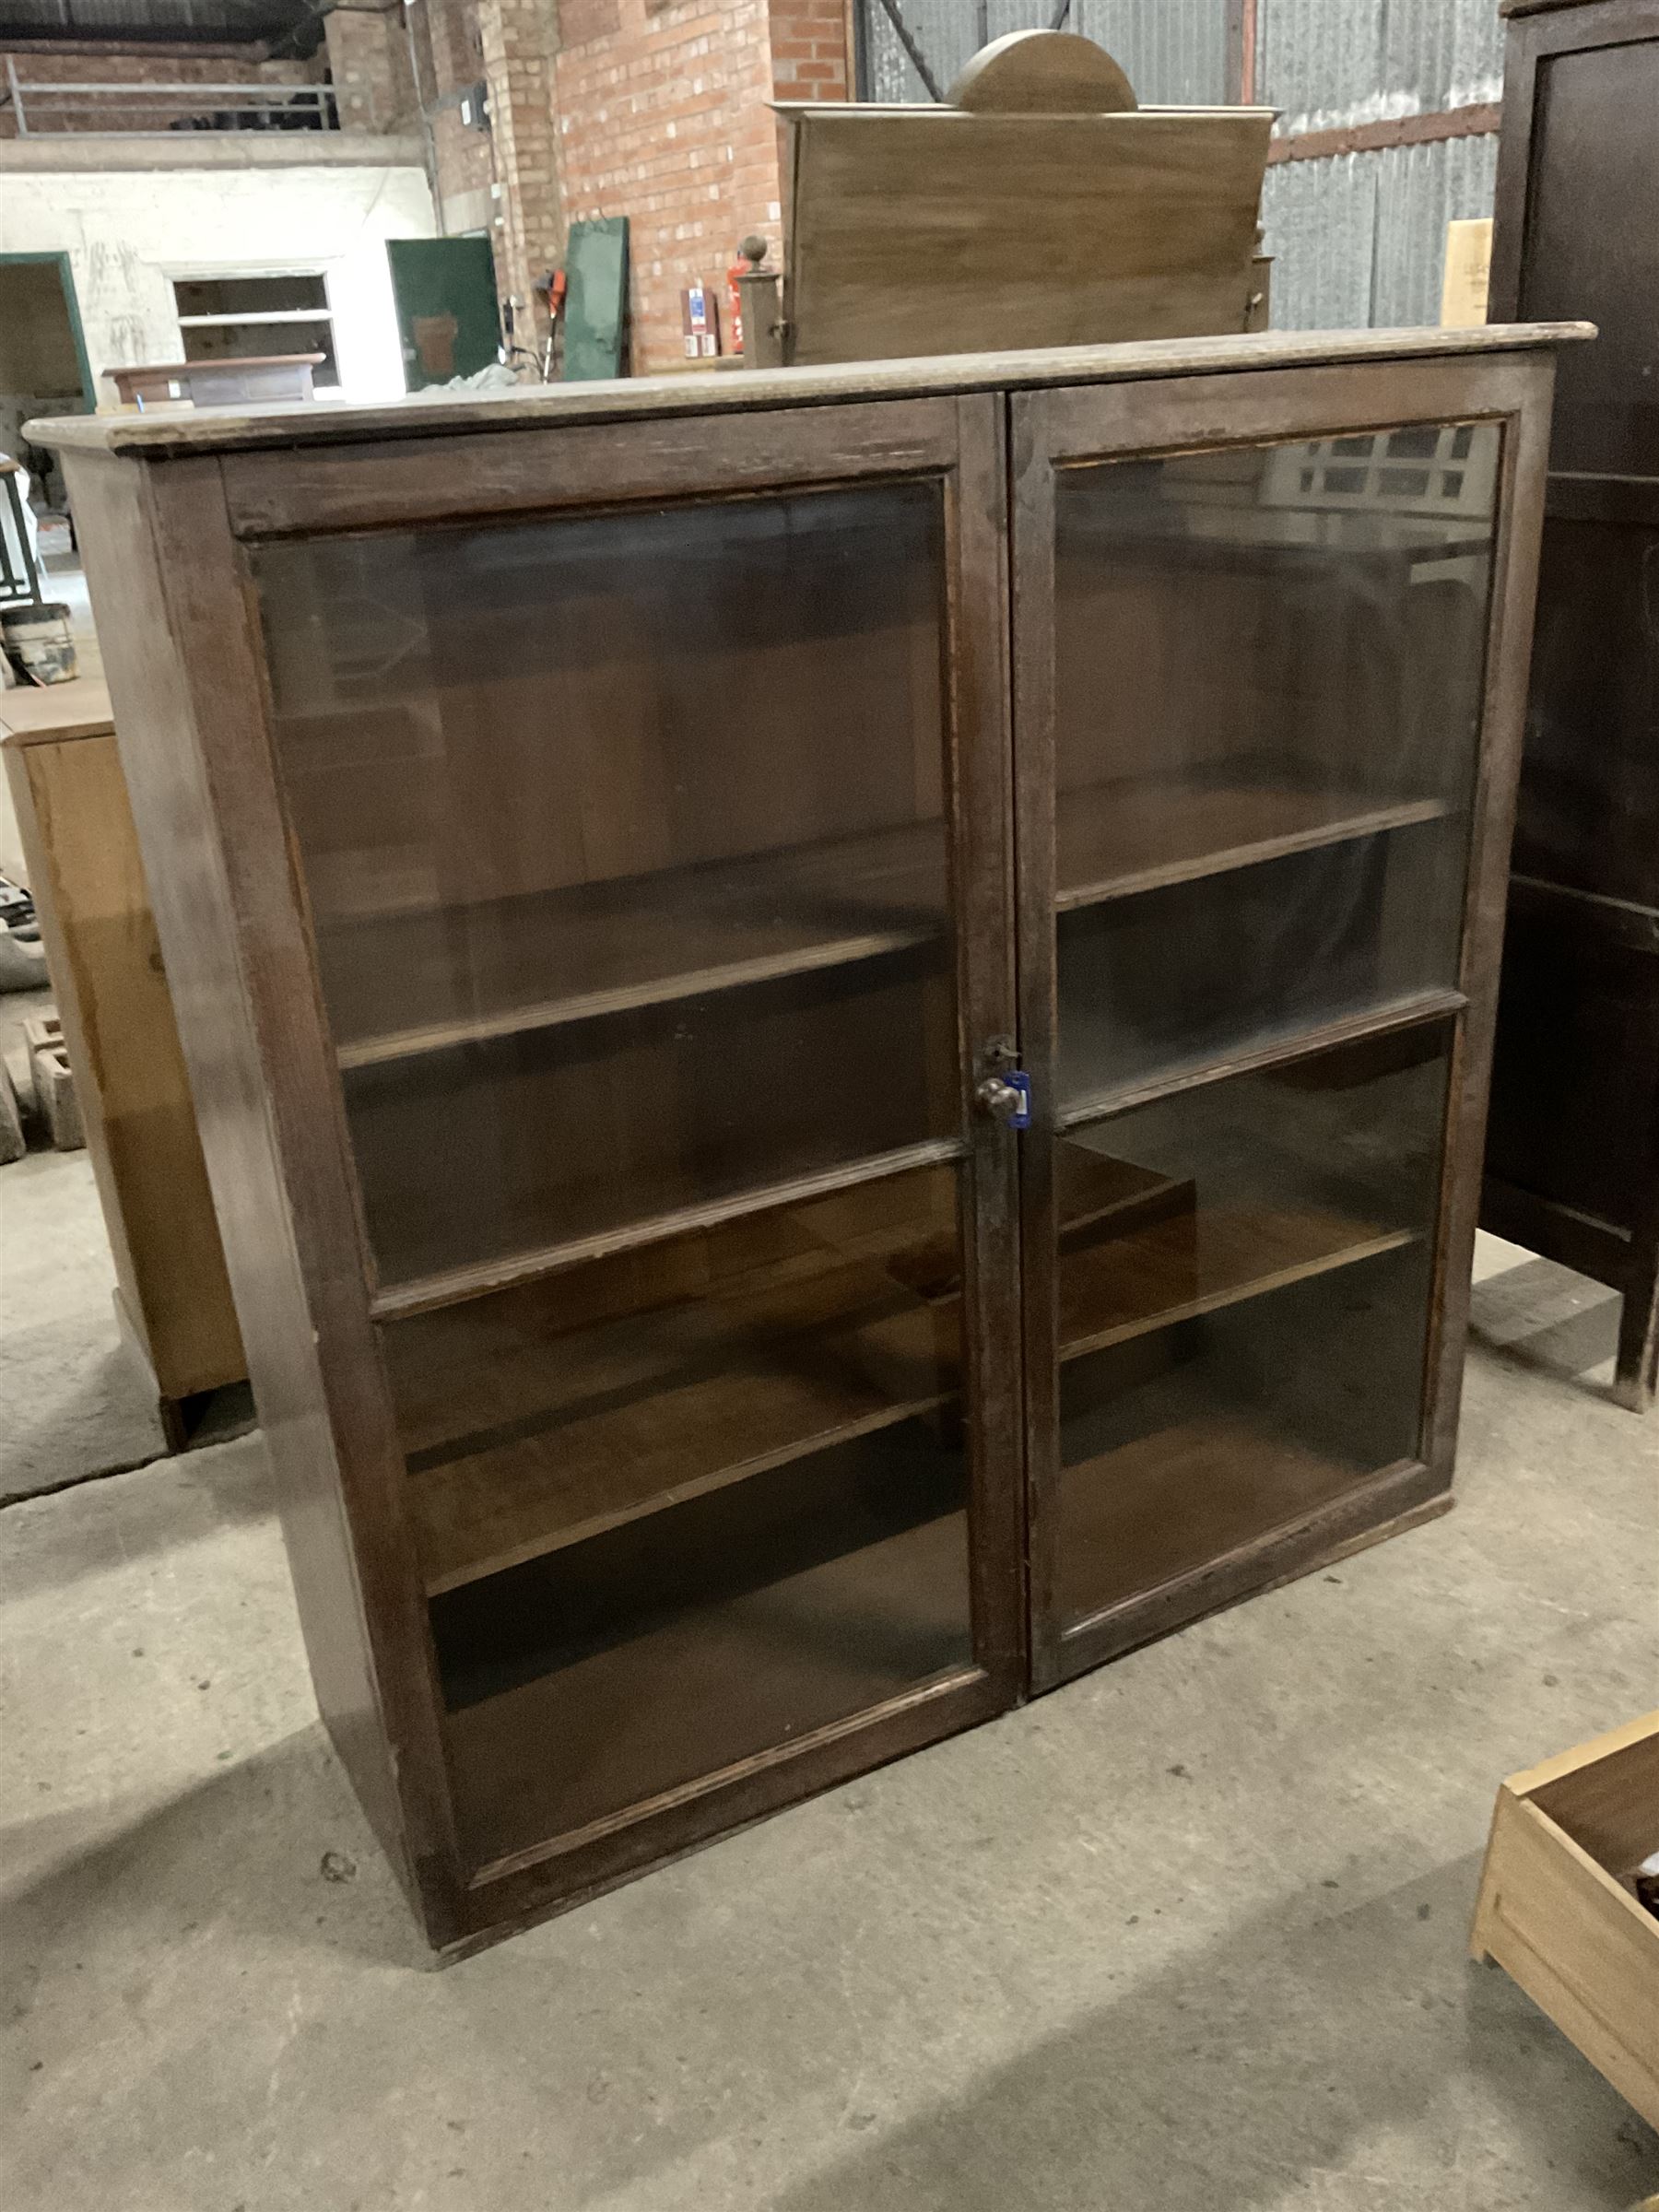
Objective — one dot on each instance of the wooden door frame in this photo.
(65, 269)
(328, 1411)
(1076, 425)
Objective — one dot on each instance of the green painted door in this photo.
(595, 333)
(448, 320)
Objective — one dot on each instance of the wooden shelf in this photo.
(1181, 1497)
(850, 1322)
(664, 1407)
(394, 981)
(1189, 1264)
(702, 1688)
(1139, 834)
(563, 1435)
(426, 1293)
(422, 980)
(1279, 1047)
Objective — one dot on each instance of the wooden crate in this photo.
(1555, 1915)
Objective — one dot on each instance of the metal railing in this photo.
(146, 110)
(19, 575)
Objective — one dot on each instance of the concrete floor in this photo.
(74, 1402)
(1187, 1937)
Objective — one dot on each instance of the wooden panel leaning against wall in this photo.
(1038, 202)
(675, 1188)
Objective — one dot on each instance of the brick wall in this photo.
(809, 50)
(452, 48)
(656, 110)
(50, 113)
(518, 39)
(663, 117)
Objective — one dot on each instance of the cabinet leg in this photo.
(1636, 1371)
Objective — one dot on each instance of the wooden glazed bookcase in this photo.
(627, 855)
(1572, 1158)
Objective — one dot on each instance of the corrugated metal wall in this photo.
(1326, 63)
(1357, 238)
(1173, 50)
(1362, 239)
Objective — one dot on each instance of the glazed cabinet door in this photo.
(1251, 676)
(649, 792)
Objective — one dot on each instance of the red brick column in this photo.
(517, 37)
(809, 50)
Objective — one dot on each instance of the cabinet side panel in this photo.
(244, 1003)
(1523, 389)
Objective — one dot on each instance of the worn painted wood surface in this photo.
(917, 228)
(1014, 369)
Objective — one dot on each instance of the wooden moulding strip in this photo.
(422, 1294)
(1149, 1613)
(265, 499)
(515, 1022)
(458, 1574)
(1481, 119)
(1337, 830)
(1397, 1014)
(1241, 1288)
(919, 1698)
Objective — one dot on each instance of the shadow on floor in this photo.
(239, 1857)
(74, 1407)
(1263, 2065)
(1549, 1321)
(230, 1485)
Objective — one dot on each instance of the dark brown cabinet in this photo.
(1572, 1159)
(841, 1020)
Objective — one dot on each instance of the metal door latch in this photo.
(1009, 1097)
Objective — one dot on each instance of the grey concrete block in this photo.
(54, 1083)
(12, 1144)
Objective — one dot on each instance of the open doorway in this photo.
(43, 366)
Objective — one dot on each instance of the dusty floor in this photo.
(1187, 1937)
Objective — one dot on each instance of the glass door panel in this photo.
(1243, 1306)
(628, 841)
(681, 1505)
(1265, 704)
(1268, 686)
(625, 847)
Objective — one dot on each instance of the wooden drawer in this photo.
(1554, 1914)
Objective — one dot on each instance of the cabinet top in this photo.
(428, 414)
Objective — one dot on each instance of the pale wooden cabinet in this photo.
(86, 876)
